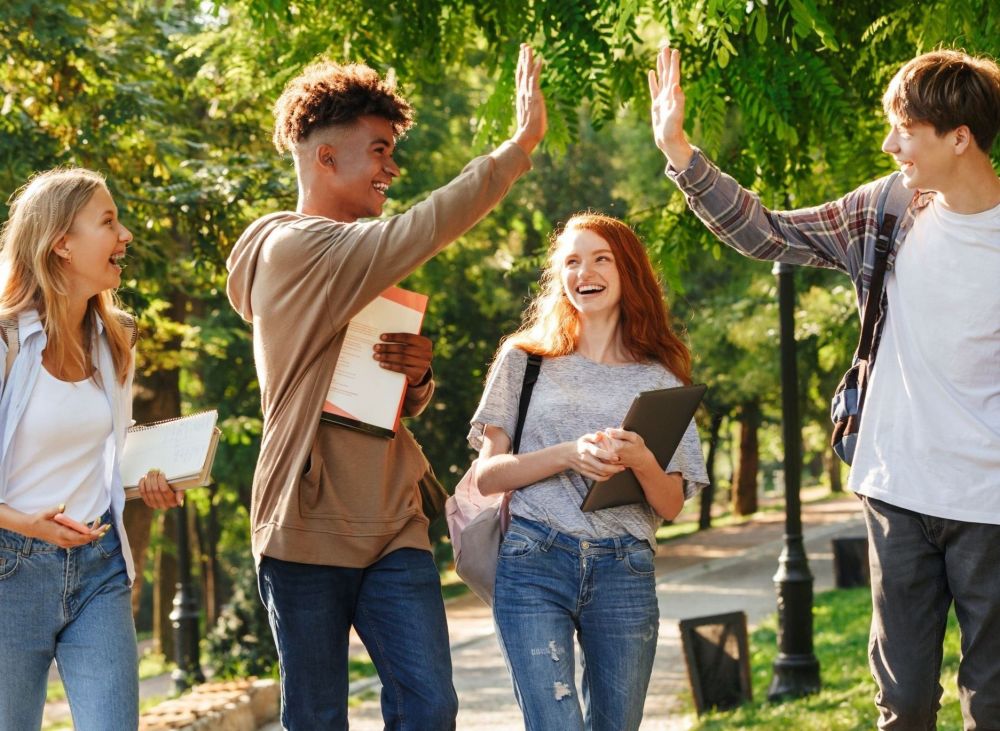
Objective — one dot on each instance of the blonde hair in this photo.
(31, 277)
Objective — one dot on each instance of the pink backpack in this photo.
(477, 522)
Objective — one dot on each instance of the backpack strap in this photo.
(12, 337)
(129, 322)
(893, 201)
(531, 370)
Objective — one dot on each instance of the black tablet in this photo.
(660, 417)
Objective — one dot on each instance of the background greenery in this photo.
(842, 618)
(171, 99)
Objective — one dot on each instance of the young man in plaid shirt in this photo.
(927, 460)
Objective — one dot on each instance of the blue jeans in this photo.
(919, 566)
(73, 605)
(549, 586)
(396, 607)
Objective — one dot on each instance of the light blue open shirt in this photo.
(14, 399)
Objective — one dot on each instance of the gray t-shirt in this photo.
(575, 396)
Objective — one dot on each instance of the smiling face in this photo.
(91, 251)
(926, 159)
(359, 168)
(588, 272)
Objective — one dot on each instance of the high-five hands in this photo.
(532, 118)
(667, 108)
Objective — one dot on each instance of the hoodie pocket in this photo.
(369, 497)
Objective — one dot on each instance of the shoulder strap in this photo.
(12, 337)
(527, 386)
(129, 322)
(893, 201)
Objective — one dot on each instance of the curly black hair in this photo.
(328, 93)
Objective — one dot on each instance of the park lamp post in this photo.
(184, 616)
(796, 669)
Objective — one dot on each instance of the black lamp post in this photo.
(184, 616)
(796, 669)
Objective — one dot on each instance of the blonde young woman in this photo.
(603, 330)
(65, 405)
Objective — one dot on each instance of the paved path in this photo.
(725, 569)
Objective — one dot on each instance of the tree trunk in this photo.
(165, 585)
(158, 398)
(708, 494)
(833, 470)
(745, 481)
(208, 541)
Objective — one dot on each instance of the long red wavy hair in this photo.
(551, 324)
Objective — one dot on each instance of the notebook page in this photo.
(178, 447)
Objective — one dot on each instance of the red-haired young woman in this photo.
(603, 330)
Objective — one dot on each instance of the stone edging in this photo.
(237, 705)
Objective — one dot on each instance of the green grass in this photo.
(845, 703)
(358, 668)
(152, 664)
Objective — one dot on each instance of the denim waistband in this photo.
(550, 537)
(24, 545)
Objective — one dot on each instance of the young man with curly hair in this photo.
(338, 532)
(927, 459)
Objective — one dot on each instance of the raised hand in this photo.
(667, 108)
(405, 353)
(532, 117)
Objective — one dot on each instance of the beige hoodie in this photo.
(324, 494)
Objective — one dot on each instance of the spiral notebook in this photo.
(183, 449)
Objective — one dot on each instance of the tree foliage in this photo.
(171, 99)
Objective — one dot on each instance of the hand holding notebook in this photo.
(183, 449)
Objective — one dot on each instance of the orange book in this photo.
(362, 394)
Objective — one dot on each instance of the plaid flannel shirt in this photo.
(836, 235)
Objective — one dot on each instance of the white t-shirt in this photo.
(930, 432)
(62, 450)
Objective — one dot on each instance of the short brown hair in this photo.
(948, 89)
(327, 94)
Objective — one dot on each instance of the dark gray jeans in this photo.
(919, 565)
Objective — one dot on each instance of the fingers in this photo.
(674, 78)
(407, 353)
(623, 435)
(594, 469)
(396, 359)
(69, 538)
(408, 339)
(654, 87)
(156, 492)
(536, 75)
(592, 461)
(52, 512)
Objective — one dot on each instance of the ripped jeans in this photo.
(550, 586)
